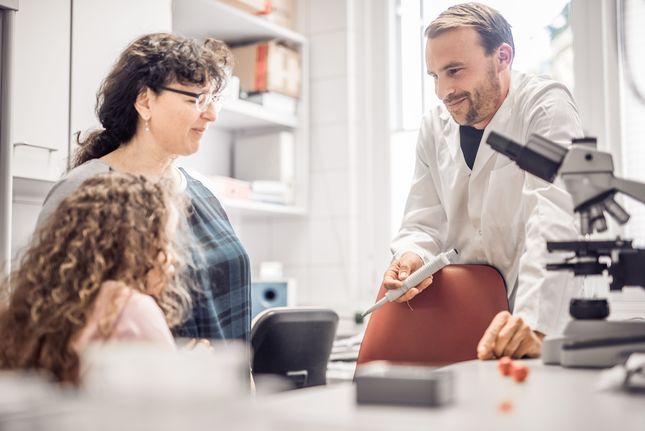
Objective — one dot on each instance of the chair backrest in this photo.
(441, 325)
(294, 343)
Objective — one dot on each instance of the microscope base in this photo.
(594, 343)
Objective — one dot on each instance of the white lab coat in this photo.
(498, 214)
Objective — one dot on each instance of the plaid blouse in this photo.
(222, 309)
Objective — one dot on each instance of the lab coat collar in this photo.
(502, 116)
(451, 132)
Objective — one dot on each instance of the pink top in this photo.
(121, 313)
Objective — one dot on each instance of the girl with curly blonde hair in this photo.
(101, 268)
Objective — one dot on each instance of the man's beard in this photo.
(481, 102)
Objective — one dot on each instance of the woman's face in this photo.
(175, 123)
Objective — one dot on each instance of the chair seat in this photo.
(441, 325)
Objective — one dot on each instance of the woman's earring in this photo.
(147, 125)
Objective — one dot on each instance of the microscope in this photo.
(588, 175)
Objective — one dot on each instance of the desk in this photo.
(552, 398)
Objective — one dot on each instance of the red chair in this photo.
(441, 325)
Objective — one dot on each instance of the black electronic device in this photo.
(295, 343)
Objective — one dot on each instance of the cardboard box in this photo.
(283, 12)
(268, 66)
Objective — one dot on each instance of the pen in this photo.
(416, 277)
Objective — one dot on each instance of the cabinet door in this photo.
(40, 99)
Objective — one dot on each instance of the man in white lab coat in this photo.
(467, 196)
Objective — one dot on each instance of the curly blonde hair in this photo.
(114, 227)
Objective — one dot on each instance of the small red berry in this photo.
(504, 365)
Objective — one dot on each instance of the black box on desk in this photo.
(406, 385)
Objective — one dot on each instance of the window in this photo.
(630, 18)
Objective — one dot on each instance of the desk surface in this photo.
(552, 398)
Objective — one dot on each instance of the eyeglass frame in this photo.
(215, 98)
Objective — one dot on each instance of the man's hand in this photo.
(399, 270)
(508, 335)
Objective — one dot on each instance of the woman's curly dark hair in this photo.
(152, 61)
(114, 227)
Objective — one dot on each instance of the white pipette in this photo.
(415, 278)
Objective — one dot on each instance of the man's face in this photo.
(466, 79)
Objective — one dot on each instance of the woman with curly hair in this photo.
(155, 105)
(101, 268)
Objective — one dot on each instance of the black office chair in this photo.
(294, 343)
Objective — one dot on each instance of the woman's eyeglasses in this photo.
(202, 100)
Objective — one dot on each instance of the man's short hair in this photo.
(492, 27)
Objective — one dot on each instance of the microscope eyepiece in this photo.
(539, 156)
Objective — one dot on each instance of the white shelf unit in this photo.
(29, 190)
(27, 199)
(240, 114)
(210, 18)
(238, 207)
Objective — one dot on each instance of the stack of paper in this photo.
(275, 192)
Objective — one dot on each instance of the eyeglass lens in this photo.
(205, 99)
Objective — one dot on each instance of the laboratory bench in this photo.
(551, 398)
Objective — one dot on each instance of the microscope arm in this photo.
(631, 188)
